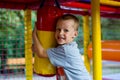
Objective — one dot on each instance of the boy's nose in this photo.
(61, 32)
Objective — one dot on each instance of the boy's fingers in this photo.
(35, 30)
(33, 48)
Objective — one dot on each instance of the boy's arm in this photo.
(37, 47)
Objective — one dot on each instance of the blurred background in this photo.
(12, 51)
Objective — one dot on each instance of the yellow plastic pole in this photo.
(28, 44)
(110, 2)
(96, 40)
(86, 40)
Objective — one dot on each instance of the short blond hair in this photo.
(68, 17)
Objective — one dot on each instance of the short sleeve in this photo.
(57, 56)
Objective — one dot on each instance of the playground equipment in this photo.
(110, 50)
(82, 7)
(46, 19)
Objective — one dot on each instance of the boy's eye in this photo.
(57, 29)
(66, 30)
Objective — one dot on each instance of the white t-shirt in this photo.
(69, 57)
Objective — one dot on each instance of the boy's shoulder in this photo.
(72, 44)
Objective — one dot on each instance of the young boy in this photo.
(67, 54)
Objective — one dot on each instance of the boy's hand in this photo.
(37, 47)
(34, 48)
(34, 33)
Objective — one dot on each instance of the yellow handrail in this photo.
(110, 2)
(96, 40)
(28, 44)
(86, 40)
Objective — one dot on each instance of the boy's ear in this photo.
(76, 33)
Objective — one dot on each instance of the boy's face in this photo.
(65, 31)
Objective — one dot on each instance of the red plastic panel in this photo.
(46, 18)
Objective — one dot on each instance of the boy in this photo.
(67, 54)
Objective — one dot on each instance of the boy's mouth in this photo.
(61, 38)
